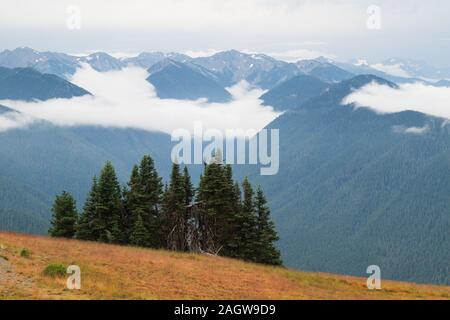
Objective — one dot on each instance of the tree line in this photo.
(220, 216)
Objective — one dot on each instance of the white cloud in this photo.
(256, 15)
(260, 25)
(411, 130)
(115, 54)
(13, 120)
(125, 99)
(201, 53)
(419, 97)
(301, 54)
(392, 69)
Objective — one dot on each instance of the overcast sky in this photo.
(337, 28)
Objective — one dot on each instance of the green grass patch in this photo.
(55, 270)
(25, 253)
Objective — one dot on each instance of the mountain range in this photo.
(355, 188)
(223, 69)
(229, 66)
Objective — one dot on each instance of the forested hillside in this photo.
(356, 188)
(38, 162)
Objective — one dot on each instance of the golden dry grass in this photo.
(115, 272)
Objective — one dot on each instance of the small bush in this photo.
(55, 270)
(25, 253)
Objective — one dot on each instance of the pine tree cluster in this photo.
(216, 218)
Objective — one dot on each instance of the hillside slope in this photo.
(114, 272)
(293, 92)
(30, 178)
(357, 188)
(28, 84)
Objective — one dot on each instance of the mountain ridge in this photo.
(176, 80)
(363, 189)
(29, 84)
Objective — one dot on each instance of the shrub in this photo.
(25, 253)
(55, 270)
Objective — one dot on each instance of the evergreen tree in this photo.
(131, 198)
(139, 234)
(149, 199)
(84, 229)
(164, 220)
(235, 224)
(248, 235)
(267, 253)
(225, 220)
(217, 196)
(230, 224)
(64, 216)
(108, 210)
(188, 187)
(175, 210)
(211, 192)
(237, 205)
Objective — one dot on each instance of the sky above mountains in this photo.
(287, 29)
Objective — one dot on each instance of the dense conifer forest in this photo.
(220, 216)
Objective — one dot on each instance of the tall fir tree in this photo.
(230, 224)
(234, 224)
(65, 216)
(210, 195)
(267, 253)
(149, 200)
(84, 229)
(175, 211)
(139, 234)
(189, 190)
(216, 196)
(131, 198)
(248, 224)
(237, 205)
(107, 221)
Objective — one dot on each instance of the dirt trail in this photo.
(11, 282)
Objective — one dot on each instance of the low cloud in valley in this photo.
(419, 97)
(125, 99)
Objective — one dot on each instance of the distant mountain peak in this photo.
(323, 69)
(24, 50)
(148, 59)
(29, 84)
(294, 92)
(364, 79)
(176, 80)
(323, 59)
(167, 62)
(101, 61)
(4, 109)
